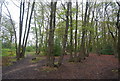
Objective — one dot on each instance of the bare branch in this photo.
(15, 4)
(61, 17)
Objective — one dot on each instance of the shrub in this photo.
(57, 48)
(8, 52)
(29, 48)
(107, 50)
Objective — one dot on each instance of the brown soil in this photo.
(93, 67)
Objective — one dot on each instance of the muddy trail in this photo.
(93, 67)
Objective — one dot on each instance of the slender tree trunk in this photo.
(28, 28)
(20, 30)
(39, 51)
(65, 36)
(36, 32)
(90, 35)
(50, 49)
(97, 38)
(82, 53)
(87, 32)
(42, 25)
(51, 58)
(76, 28)
(71, 33)
(54, 20)
(23, 44)
(114, 39)
(118, 26)
(14, 31)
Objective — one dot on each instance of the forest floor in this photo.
(93, 67)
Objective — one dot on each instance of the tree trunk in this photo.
(114, 39)
(14, 31)
(23, 44)
(36, 32)
(50, 59)
(65, 36)
(118, 26)
(87, 32)
(76, 28)
(82, 53)
(28, 29)
(90, 35)
(71, 34)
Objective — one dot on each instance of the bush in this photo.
(30, 49)
(57, 48)
(8, 52)
(107, 50)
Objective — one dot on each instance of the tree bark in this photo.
(118, 26)
(65, 36)
(81, 55)
(71, 34)
(28, 28)
(51, 58)
(23, 44)
(76, 28)
(36, 32)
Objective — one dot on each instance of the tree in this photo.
(81, 55)
(29, 22)
(71, 33)
(13, 28)
(76, 28)
(65, 35)
(22, 48)
(22, 8)
(36, 32)
(50, 59)
(118, 26)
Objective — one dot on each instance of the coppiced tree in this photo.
(22, 48)
(50, 55)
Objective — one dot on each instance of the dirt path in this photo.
(94, 67)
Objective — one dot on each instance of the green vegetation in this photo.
(57, 48)
(107, 51)
(30, 48)
(8, 52)
(56, 30)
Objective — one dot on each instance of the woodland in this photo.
(60, 39)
